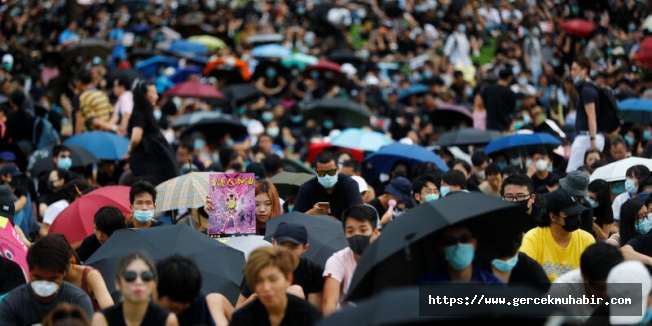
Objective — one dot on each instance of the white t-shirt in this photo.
(340, 266)
(125, 103)
(572, 284)
(618, 202)
(53, 211)
(491, 15)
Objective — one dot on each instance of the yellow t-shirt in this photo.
(556, 261)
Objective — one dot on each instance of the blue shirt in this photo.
(479, 275)
(67, 35)
(119, 50)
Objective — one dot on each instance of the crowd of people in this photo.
(418, 69)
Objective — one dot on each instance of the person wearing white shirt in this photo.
(125, 103)
(339, 15)
(457, 47)
(491, 16)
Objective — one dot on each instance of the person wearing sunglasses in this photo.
(330, 192)
(136, 279)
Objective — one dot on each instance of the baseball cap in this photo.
(258, 169)
(362, 185)
(10, 169)
(7, 208)
(291, 231)
(576, 183)
(7, 156)
(562, 200)
(630, 272)
(401, 188)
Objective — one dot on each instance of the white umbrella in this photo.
(246, 244)
(647, 23)
(616, 171)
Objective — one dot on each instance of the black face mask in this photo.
(358, 243)
(572, 223)
(524, 205)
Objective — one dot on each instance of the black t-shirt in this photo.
(345, 195)
(196, 314)
(500, 103)
(588, 95)
(154, 223)
(88, 247)
(308, 275)
(378, 206)
(155, 315)
(298, 312)
(529, 272)
(542, 182)
(19, 126)
(642, 244)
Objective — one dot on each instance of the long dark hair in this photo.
(142, 103)
(603, 213)
(628, 216)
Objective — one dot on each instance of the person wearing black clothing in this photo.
(519, 188)
(19, 122)
(499, 101)
(107, 220)
(337, 189)
(268, 272)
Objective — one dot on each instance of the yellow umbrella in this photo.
(212, 42)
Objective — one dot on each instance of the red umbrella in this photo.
(322, 67)
(76, 221)
(194, 89)
(644, 55)
(579, 27)
(316, 148)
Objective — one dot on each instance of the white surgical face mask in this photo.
(44, 289)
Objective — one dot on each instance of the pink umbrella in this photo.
(12, 247)
(194, 89)
(451, 115)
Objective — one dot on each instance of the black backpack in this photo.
(608, 119)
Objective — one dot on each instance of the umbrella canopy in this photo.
(181, 75)
(288, 183)
(12, 248)
(246, 244)
(75, 222)
(343, 57)
(194, 89)
(451, 115)
(414, 89)
(104, 145)
(211, 42)
(41, 160)
(130, 75)
(88, 49)
(366, 140)
(644, 55)
(192, 118)
(263, 38)
(408, 306)
(635, 110)
(323, 67)
(385, 158)
(325, 234)
(220, 265)
(185, 191)
(149, 67)
(299, 60)
(214, 129)
(616, 171)
(298, 166)
(166, 32)
(519, 141)
(468, 136)
(241, 92)
(347, 112)
(221, 66)
(579, 27)
(405, 251)
(188, 46)
(270, 51)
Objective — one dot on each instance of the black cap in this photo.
(7, 208)
(291, 231)
(258, 169)
(562, 200)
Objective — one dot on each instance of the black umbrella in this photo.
(288, 183)
(410, 306)
(325, 234)
(231, 76)
(41, 160)
(468, 136)
(348, 113)
(215, 128)
(130, 75)
(241, 92)
(88, 49)
(220, 265)
(343, 57)
(406, 249)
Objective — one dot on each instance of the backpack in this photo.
(44, 134)
(609, 118)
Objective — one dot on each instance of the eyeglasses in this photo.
(329, 172)
(130, 276)
(451, 241)
(65, 156)
(517, 197)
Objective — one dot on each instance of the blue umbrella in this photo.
(104, 145)
(361, 139)
(190, 47)
(385, 158)
(182, 75)
(412, 90)
(518, 141)
(149, 67)
(270, 51)
(636, 110)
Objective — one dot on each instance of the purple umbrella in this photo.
(450, 115)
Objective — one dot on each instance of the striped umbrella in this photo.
(186, 191)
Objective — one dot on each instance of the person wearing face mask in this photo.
(426, 188)
(457, 48)
(577, 184)
(271, 84)
(57, 178)
(634, 222)
(518, 187)
(558, 243)
(628, 189)
(480, 162)
(360, 224)
(539, 167)
(48, 260)
(494, 180)
(589, 280)
(330, 192)
(142, 197)
(64, 197)
(457, 245)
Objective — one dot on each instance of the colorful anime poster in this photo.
(234, 199)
